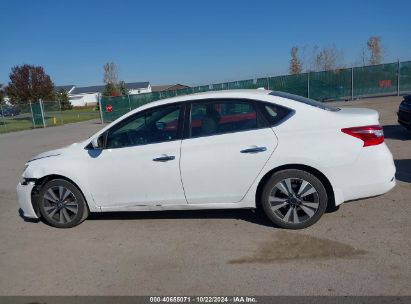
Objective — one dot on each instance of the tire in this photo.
(61, 204)
(298, 208)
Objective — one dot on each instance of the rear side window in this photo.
(222, 117)
(277, 114)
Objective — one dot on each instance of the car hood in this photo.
(56, 152)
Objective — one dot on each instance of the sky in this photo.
(190, 42)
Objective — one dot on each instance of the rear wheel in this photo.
(294, 199)
(61, 204)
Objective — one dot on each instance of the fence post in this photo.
(99, 107)
(32, 116)
(352, 83)
(42, 113)
(61, 113)
(3, 118)
(129, 103)
(398, 77)
(268, 83)
(308, 84)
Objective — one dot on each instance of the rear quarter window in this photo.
(276, 114)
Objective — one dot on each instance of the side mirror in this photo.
(98, 142)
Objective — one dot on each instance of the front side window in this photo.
(152, 126)
(214, 118)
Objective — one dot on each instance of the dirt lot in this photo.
(362, 249)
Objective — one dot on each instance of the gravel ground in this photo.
(364, 248)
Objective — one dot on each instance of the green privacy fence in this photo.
(342, 84)
(38, 115)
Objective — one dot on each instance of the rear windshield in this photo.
(308, 101)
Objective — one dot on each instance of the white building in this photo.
(86, 96)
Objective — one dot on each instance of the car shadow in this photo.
(247, 215)
(396, 132)
(403, 170)
(237, 214)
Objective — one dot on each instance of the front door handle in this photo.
(254, 149)
(164, 158)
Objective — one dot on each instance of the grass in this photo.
(25, 121)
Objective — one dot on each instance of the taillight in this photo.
(370, 135)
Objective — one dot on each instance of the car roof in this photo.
(251, 93)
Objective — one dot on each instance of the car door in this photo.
(139, 165)
(226, 146)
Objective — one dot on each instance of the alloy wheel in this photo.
(60, 204)
(294, 200)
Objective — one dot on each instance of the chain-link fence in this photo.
(343, 84)
(40, 115)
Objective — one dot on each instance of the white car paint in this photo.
(219, 157)
(209, 172)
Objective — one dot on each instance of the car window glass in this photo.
(154, 126)
(276, 113)
(222, 117)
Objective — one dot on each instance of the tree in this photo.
(63, 99)
(2, 93)
(111, 89)
(295, 62)
(110, 73)
(122, 87)
(363, 60)
(327, 59)
(110, 79)
(374, 47)
(29, 83)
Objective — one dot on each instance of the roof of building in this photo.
(137, 85)
(90, 89)
(100, 88)
(167, 87)
(66, 88)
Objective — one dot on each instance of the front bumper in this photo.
(24, 199)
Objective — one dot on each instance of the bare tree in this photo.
(363, 60)
(295, 62)
(374, 47)
(110, 73)
(328, 58)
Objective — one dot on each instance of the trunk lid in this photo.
(352, 117)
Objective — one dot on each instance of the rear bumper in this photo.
(24, 199)
(372, 174)
(404, 118)
(405, 124)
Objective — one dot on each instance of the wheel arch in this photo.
(317, 173)
(39, 184)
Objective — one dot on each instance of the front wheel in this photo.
(62, 204)
(294, 199)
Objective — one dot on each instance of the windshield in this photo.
(305, 100)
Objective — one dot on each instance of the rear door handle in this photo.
(254, 149)
(164, 158)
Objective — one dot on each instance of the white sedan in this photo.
(288, 155)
